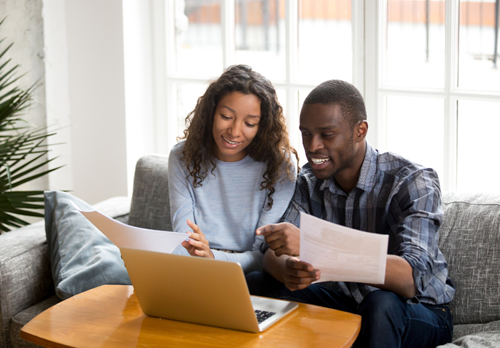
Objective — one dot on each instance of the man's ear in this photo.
(360, 130)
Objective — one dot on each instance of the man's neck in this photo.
(348, 178)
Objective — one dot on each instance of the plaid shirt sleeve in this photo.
(417, 204)
(302, 199)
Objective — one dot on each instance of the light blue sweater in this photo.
(228, 207)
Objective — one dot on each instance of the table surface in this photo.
(110, 316)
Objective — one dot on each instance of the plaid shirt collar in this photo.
(366, 180)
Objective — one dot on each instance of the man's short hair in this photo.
(342, 93)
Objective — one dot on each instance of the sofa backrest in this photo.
(470, 242)
(150, 206)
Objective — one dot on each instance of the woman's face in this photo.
(236, 122)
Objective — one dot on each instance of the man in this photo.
(349, 183)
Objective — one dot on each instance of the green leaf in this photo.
(23, 147)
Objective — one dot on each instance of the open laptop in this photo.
(199, 290)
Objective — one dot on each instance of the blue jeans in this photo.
(387, 319)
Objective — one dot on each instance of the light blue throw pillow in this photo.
(81, 257)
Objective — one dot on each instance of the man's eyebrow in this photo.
(320, 128)
(327, 127)
(227, 107)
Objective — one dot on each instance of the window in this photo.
(425, 67)
(297, 44)
(434, 86)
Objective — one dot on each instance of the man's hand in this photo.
(197, 245)
(298, 275)
(283, 238)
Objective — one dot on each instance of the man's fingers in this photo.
(267, 229)
(295, 263)
(294, 287)
(273, 236)
(276, 245)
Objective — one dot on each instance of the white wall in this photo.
(23, 27)
(144, 78)
(86, 86)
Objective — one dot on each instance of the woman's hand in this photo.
(197, 245)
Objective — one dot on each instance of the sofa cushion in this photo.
(81, 257)
(150, 207)
(462, 330)
(470, 241)
(22, 318)
(480, 340)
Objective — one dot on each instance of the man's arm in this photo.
(274, 265)
(284, 241)
(418, 215)
(398, 277)
(398, 273)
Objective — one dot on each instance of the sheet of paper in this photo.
(127, 236)
(342, 253)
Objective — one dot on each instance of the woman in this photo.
(234, 172)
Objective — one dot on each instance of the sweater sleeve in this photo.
(180, 193)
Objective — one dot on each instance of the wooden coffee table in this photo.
(110, 316)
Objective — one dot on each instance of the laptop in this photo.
(200, 291)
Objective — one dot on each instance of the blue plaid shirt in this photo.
(393, 196)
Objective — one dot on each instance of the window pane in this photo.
(325, 40)
(477, 46)
(260, 36)
(477, 164)
(415, 43)
(185, 96)
(415, 128)
(198, 39)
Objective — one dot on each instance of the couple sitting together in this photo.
(234, 188)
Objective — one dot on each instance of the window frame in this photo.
(376, 92)
(291, 84)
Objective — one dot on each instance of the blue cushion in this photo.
(81, 257)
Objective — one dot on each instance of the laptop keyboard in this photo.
(263, 315)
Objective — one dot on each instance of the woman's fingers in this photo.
(197, 244)
(194, 227)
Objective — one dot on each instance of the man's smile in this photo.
(319, 160)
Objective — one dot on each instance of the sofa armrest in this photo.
(25, 272)
(25, 276)
(117, 208)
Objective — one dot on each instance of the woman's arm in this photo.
(180, 192)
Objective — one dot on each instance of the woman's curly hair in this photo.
(270, 145)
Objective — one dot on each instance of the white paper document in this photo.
(127, 236)
(342, 253)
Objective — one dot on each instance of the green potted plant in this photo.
(23, 149)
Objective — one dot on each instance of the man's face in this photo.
(329, 142)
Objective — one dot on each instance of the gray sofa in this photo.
(470, 240)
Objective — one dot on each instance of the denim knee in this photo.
(379, 304)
